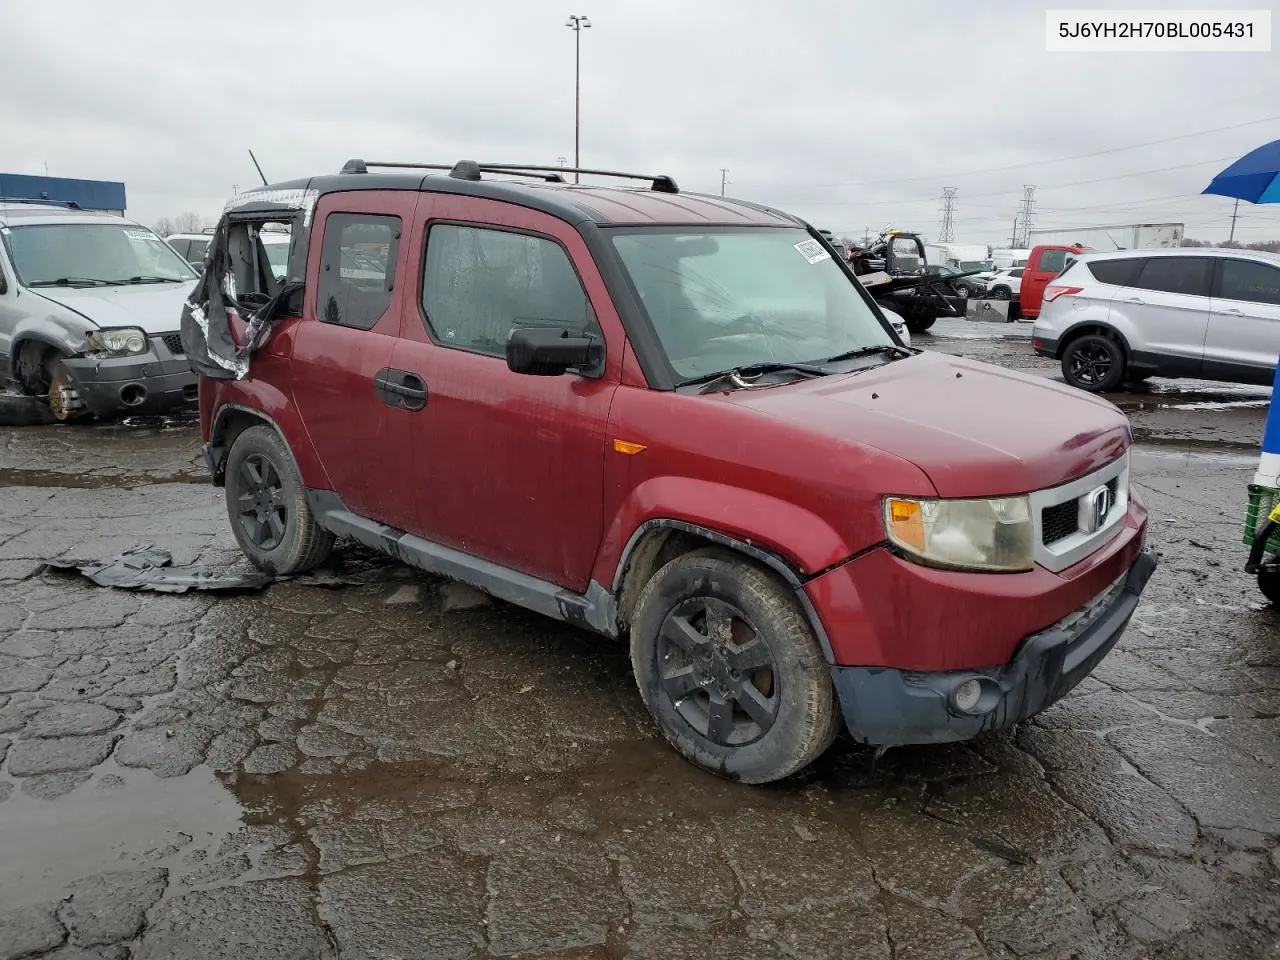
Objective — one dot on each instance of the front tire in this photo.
(1094, 363)
(917, 323)
(730, 670)
(267, 506)
(1001, 293)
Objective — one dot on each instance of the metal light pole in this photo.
(576, 23)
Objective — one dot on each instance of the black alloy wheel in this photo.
(263, 511)
(718, 672)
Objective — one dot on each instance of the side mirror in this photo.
(550, 351)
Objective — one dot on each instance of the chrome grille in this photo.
(1063, 519)
(1063, 534)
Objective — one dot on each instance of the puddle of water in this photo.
(47, 844)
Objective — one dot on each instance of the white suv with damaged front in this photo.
(90, 305)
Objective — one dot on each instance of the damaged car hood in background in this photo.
(206, 330)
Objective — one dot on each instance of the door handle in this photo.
(400, 388)
(1233, 311)
(1134, 300)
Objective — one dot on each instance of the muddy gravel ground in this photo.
(399, 768)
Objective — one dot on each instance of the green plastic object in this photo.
(1262, 500)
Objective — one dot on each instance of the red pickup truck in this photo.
(671, 418)
(1044, 263)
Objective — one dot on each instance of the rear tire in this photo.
(267, 506)
(1094, 363)
(730, 670)
(1001, 293)
(918, 324)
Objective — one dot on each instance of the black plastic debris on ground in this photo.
(149, 567)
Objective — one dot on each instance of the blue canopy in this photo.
(1255, 177)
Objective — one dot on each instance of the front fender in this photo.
(51, 324)
(800, 538)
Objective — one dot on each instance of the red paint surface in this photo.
(1035, 279)
(521, 470)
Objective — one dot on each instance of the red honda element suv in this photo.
(675, 419)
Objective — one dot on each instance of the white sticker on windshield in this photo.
(136, 234)
(812, 251)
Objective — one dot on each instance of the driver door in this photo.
(506, 466)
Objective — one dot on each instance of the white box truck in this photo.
(1124, 236)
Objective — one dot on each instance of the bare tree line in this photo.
(183, 223)
(1270, 246)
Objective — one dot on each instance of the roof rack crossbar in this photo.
(470, 170)
(462, 170)
(660, 182)
(71, 204)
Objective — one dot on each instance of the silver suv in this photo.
(90, 307)
(1193, 312)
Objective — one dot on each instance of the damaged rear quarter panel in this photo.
(267, 394)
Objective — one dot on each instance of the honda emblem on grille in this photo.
(1094, 509)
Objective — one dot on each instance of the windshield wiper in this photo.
(868, 351)
(744, 376)
(153, 280)
(75, 281)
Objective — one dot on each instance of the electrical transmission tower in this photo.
(946, 233)
(1024, 214)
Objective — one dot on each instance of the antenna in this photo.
(260, 173)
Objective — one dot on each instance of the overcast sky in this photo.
(852, 114)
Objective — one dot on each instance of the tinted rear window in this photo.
(1185, 275)
(1120, 273)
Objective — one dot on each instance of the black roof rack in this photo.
(71, 204)
(471, 170)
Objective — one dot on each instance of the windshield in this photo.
(967, 265)
(732, 298)
(92, 253)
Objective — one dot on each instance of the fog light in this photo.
(967, 695)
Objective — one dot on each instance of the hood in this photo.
(975, 429)
(155, 307)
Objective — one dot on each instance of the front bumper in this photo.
(158, 381)
(886, 707)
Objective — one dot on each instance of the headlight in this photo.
(987, 535)
(121, 341)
